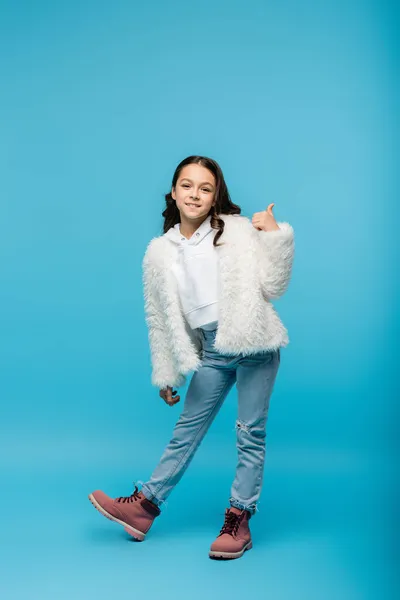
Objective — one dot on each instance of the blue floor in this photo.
(318, 533)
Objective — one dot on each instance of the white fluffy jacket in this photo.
(254, 267)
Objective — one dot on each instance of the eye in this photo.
(206, 190)
(185, 185)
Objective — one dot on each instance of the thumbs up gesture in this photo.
(265, 220)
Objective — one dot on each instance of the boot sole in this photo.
(229, 555)
(135, 533)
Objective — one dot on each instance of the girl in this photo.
(208, 282)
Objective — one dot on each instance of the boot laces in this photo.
(232, 522)
(132, 498)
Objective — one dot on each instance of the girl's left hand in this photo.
(265, 220)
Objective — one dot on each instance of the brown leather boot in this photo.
(235, 537)
(134, 512)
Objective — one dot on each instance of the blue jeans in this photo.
(254, 376)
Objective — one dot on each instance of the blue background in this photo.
(99, 103)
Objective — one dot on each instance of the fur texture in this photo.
(254, 266)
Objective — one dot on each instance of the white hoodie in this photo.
(196, 272)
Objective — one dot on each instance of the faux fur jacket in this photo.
(254, 267)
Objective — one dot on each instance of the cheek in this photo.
(180, 196)
(207, 198)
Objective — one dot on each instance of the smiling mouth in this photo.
(192, 205)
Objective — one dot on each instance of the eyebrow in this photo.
(204, 182)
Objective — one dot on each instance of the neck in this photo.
(187, 228)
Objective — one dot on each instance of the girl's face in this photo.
(194, 192)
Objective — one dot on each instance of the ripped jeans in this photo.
(254, 376)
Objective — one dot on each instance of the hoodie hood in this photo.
(175, 236)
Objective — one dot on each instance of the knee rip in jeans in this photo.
(257, 432)
(242, 426)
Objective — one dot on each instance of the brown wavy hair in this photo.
(223, 203)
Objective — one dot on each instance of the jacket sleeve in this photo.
(164, 371)
(276, 259)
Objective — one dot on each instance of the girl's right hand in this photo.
(168, 395)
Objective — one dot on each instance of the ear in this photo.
(173, 193)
